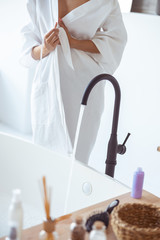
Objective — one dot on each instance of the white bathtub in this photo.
(22, 164)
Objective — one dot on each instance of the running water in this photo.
(73, 155)
(78, 129)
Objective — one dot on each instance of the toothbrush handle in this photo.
(112, 205)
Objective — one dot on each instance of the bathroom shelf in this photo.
(63, 227)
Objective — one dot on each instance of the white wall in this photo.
(14, 83)
(125, 5)
(139, 79)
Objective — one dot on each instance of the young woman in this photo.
(70, 41)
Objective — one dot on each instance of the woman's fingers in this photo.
(52, 36)
(54, 39)
(54, 30)
(51, 39)
(56, 42)
(52, 42)
(49, 33)
(61, 24)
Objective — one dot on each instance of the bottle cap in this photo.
(98, 225)
(16, 195)
(139, 169)
(78, 220)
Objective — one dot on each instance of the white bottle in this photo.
(98, 231)
(44, 236)
(77, 222)
(16, 212)
(12, 233)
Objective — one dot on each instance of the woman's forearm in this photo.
(36, 52)
(84, 45)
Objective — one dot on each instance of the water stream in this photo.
(73, 155)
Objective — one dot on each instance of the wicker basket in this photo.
(136, 222)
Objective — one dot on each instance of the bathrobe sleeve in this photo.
(30, 35)
(110, 40)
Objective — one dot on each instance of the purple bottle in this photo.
(137, 185)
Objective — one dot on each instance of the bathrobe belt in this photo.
(65, 46)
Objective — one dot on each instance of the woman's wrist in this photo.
(84, 45)
(36, 52)
(45, 51)
(73, 42)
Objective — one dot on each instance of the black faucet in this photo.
(113, 146)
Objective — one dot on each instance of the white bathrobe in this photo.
(62, 77)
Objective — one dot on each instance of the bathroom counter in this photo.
(63, 227)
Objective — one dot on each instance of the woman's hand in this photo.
(84, 45)
(51, 39)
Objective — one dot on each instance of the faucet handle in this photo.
(121, 147)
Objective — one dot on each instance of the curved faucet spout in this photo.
(115, 84)
(112, 145)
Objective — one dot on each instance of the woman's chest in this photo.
(82, 20)
(66, 6)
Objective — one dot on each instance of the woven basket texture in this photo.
(136, 221)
